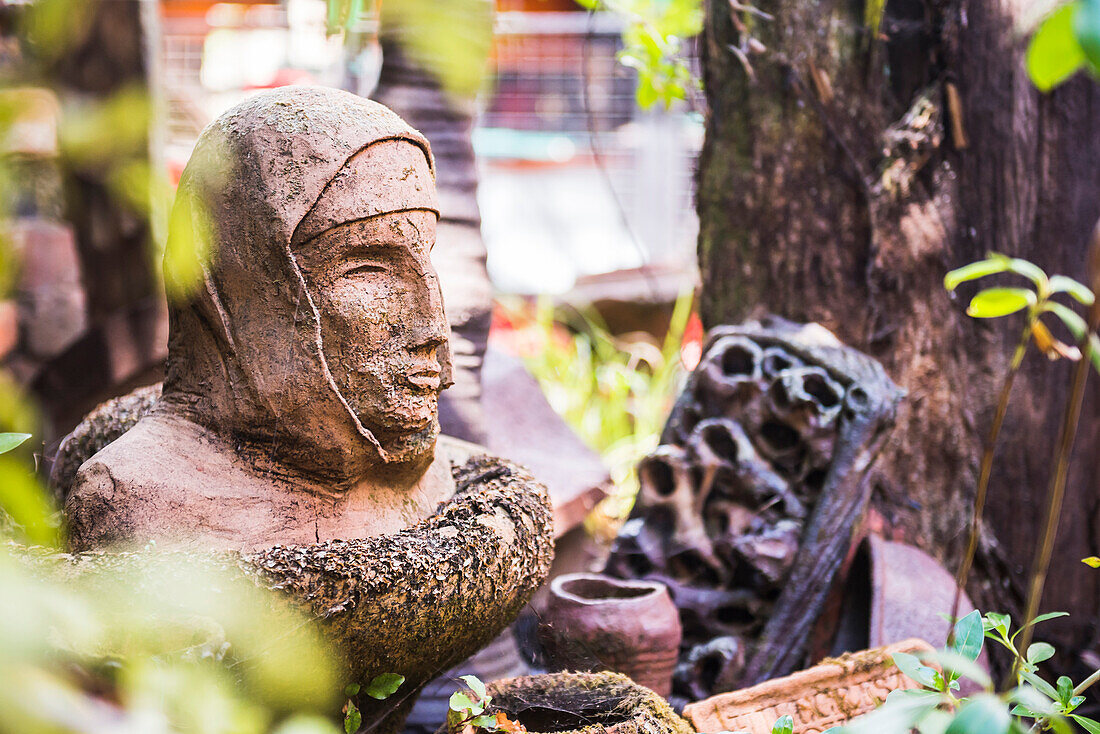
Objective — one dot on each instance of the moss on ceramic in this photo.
(585, 703)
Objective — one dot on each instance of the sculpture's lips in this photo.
(424, 377)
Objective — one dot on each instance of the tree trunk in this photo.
(842, 177)
(459, 255)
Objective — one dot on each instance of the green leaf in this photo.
(460, 702)
(1073, 322)
(985, 714)
(1045, 688)
(385, 685)
(959, 664)
(1074, 702)
(1086, 30)
(975, 270)
(783, 725)
(475, 685)
(998, 622)
(934, 722)
(1078, 291)
(1090, 725)
(487, 721)
(996, 302)
(352, 719)
(27, 503)
(912, 667)
(646, 94)
(351, 689)
(9, 441)
(969, 635)
(899, 714)
(1065, 689)
(1032, 700)
(1054, 53)
(1029, 270)
(1038, 652)
(1039, 619)
(1091, 561)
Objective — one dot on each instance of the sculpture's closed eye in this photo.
(365, 269)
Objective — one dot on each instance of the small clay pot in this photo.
(595, 622)
(604, 703)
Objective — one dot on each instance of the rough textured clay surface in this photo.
(595, 622)
(829, 694)
(592, 703)
(295, 436)
(747, 508)
(304, 369)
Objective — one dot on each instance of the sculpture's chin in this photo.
(413, 447)
(412, 443)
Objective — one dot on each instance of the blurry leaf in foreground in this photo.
(154, 642)
(985, 714)
(995, 302)
(26, 503)
(9, 441)
(189, 248)
(199, 607)
(54, 26)
(1086, 30)
(1054, 55)
(450, 38)
(306, 725)
(102, 133)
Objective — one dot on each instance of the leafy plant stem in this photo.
(1057, 489)
(987, 468)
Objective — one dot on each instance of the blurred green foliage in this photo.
(450, 38)
(1067, 40)
(144, 641)
(653, 45)
(616, 393)
(152, 642)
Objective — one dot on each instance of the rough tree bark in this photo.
(842, 176)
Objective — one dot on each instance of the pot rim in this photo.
(557, 588)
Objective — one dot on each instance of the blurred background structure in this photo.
(580, 190)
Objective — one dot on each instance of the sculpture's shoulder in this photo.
(136, 488)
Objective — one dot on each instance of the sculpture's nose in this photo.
(430, 331)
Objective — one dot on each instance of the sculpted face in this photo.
(382, 322)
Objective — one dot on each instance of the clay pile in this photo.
(776, 417)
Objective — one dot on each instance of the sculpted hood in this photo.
(245, 350)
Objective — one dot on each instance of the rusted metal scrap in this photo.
(747, 508)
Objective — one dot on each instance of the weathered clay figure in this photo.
(304, 373)
(297, 429)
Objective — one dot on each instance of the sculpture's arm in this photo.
(445, 586)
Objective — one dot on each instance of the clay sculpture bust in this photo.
(297, 428)
(304, 372)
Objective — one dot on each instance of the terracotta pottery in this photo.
(562, 703)
(595, 622)
(829, 694)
